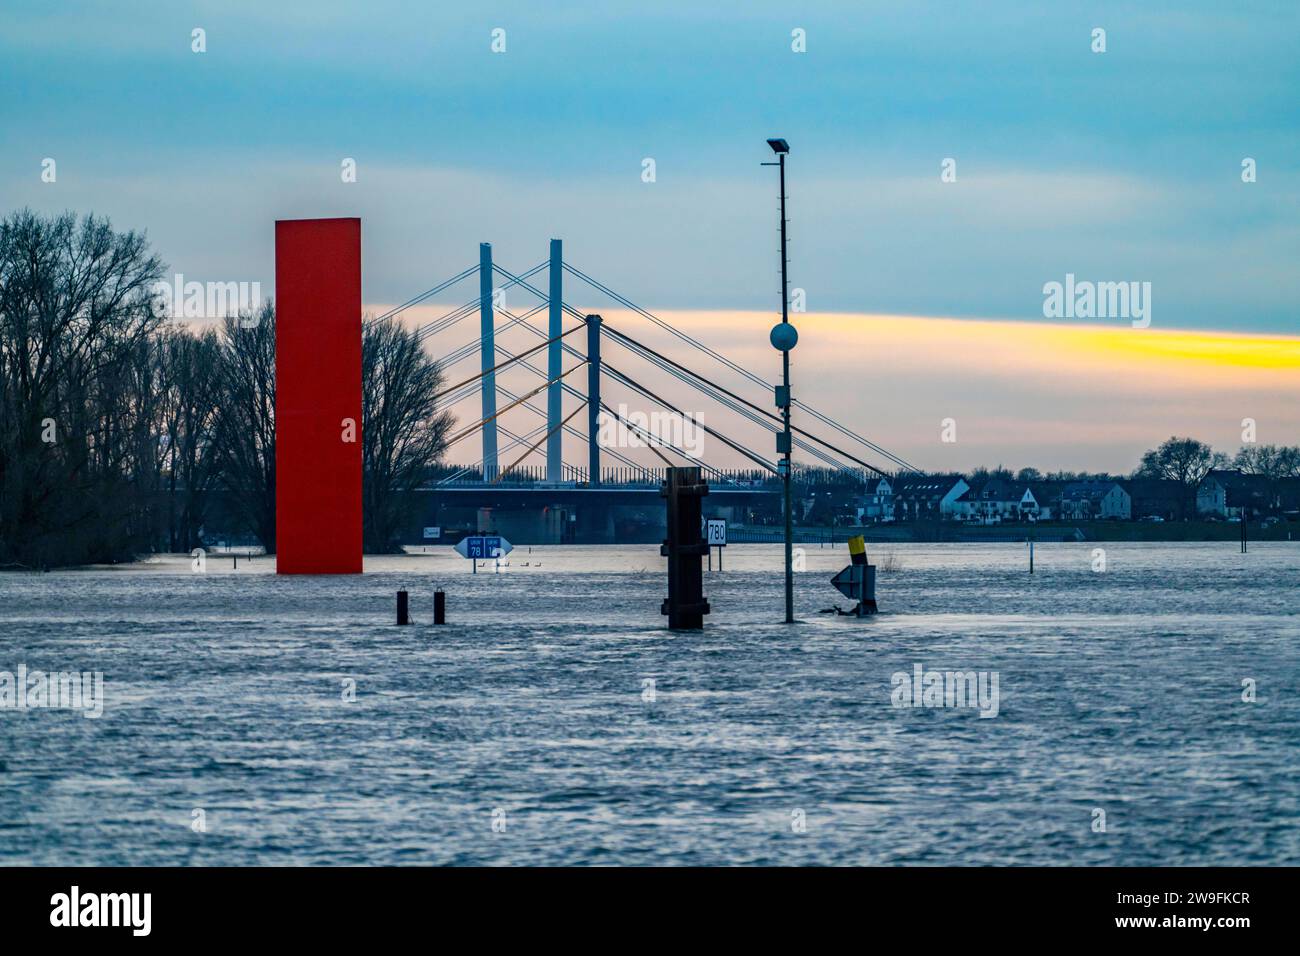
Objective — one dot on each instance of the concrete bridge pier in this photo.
(595, 524)
(555, 524)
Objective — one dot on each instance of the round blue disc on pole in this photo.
(783, 336)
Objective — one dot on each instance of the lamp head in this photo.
(779, 145)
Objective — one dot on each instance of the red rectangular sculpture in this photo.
(318, 396)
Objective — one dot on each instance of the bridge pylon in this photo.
(593, 400)
(487, 354)
(554, 356)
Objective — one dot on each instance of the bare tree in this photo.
(1271, 461)
(188, 383)
(1184, 460)
(402, 432)
(74, 316)
(244, 420)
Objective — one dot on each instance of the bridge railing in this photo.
(534, 476)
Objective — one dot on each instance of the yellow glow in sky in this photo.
(1051, 394)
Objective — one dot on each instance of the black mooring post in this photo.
(403, 616)
(1244, 518)
(439, 607)
(685, 605)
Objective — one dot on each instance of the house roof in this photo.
(1250, 491)
(1153, 488)
(925, 485)
(1288, 492)
(1047, 490)
(998, 489)
(1238, 481)
(1088, 490)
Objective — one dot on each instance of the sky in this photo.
(925, 297)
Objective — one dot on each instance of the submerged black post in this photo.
(1245, 517)
(439, 607)
(403, 617)
(685, 604)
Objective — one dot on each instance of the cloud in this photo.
(1047, 394)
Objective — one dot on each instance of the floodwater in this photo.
(252, 719)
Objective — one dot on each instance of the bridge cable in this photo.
(451, 318)
(500, 365)
(733, 366)
(672, 408)
(581, 317)
(712, 391)
(650, 438)
(473, 428)
(424, 295)
(798, 443)
(520, 280)
(466, 469)
(714, 354)
(572, 391)
(613, 414)
(470, 390)
(761, 411)
(538, 443)
(463, 352)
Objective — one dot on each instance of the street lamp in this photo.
(783, 338)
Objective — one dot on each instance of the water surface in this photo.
(1120, 691)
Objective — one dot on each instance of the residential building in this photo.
(1092, 500)
(1289, 496)
(1152, 498)
(876, 503)
(926, 496)
(998, 500)
(1230, 494)
(1047, 493)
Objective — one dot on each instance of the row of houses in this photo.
(1221, 494)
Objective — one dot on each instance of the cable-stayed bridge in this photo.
(522, 483)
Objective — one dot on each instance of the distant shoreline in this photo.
(950, 532)
(221, 560)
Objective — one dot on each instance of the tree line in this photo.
(1183, 460)
(121, 429)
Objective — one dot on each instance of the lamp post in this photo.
(783, 338)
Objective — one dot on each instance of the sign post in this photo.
(483, 547)
(715, 535)
(858, 581)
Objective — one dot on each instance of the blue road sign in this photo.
(484, 547)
